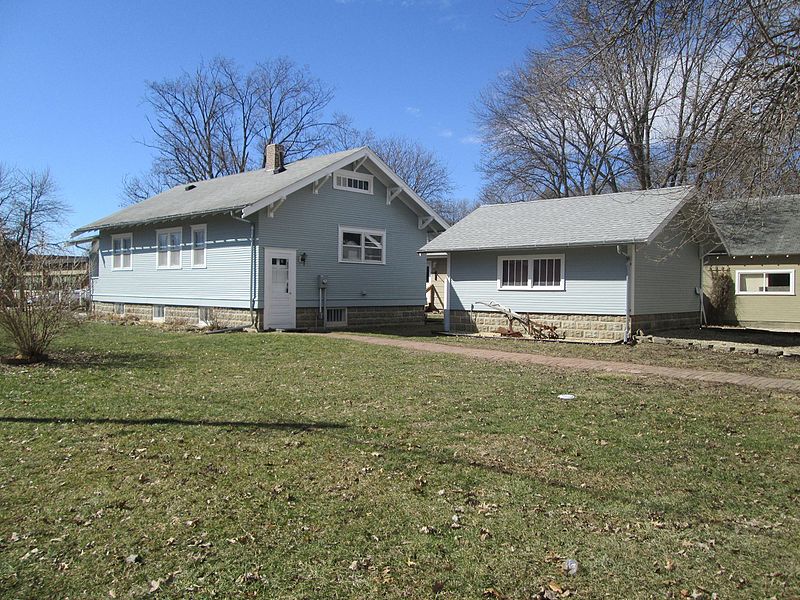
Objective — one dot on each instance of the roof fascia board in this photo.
(690, 193)
(536, 247)
(378, 161)
(181, 217)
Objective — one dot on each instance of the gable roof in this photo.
(606, 219)
(759, 226)
(248, 192)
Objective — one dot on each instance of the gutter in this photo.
(252, 265)
(537, 247)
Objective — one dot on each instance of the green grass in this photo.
(291, 466)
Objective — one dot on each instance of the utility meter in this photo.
(322, 282)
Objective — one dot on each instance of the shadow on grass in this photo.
(276, 425)
(110, 359)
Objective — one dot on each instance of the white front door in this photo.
(279, 289)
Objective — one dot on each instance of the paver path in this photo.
(772, 383)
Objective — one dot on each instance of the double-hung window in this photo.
(122, 252)
(169, 248)
(362, 245)
(198, 246)
(778, 282)
(537, 272)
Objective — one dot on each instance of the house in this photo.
(595, 267)
(756, 271)
(326, 241)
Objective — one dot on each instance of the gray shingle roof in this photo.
(626, 217)
(218, 195)
(760, 226)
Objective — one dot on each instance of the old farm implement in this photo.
(533, 329)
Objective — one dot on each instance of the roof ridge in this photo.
(605, 195)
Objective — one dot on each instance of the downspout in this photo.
(703, 318)
(252, 266)
(628, 281)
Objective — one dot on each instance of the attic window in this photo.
(353, 182)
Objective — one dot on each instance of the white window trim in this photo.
(529, 287)
(344, 229)
(120, 236)
(194, 228)
(764, 272)
(354, 175)
(168, 266)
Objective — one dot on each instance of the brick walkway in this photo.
(771, 383)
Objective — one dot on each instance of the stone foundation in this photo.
(661, 322)
(605, 328)
(218, 316)
(358, 317)
(361, 317)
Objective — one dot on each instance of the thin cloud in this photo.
(446, 133)
(413, 111)
(470, 139)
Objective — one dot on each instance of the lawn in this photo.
(295, 466)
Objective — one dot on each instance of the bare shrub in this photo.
(35, 302)
(720, 297)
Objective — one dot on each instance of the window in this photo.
(169, 248)
(353, 182)
(544, 272)
(158, 312)
(119, 308)
(122, 251)
(336, 317)
(778, 282)
(198, 246)
(204, 315)
(362, 245)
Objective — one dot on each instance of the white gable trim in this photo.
(657, 231)
(358, 156)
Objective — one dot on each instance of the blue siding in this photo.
(666, 274)
(309, 223)
(306, 222)
(224, 282)
(594, 283)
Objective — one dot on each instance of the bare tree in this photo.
(706, 93)
(546, 134)
(34, 298)
(29, 208)
(217, 120)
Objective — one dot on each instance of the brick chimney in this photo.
(273, 158)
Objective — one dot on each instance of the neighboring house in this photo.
(326, 241)
(760, 267)
(596, 267)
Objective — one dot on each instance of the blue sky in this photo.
(74, 75)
